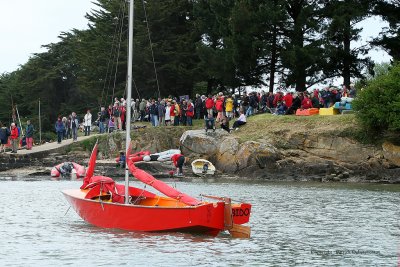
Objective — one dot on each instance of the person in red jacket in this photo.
(178, 160)
(219, 106)
(14, 138)
(209, 105)
(288, 98)
(189, 113)
(306, 103)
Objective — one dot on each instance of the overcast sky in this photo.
(26, 25)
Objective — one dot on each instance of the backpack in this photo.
(116, 112)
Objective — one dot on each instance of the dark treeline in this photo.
(199, 46)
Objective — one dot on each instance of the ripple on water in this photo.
(299, 224)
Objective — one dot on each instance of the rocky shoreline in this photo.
(290, 157)
(299, 157)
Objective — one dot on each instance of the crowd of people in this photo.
(216, 110)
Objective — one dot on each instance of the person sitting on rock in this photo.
(225, 124)
(210, 123)
(240, 121)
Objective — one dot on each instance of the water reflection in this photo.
(306, 224)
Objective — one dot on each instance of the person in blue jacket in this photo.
(59, 129)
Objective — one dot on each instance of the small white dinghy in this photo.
(203, 167)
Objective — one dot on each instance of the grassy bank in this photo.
(264, 126)
(258, 127)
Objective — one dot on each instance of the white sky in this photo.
(26, 25)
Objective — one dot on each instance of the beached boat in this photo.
(165, 155)
(66, 169)
(102, 202)
(203, 167)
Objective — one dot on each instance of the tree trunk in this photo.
(299, 68)
(273, 60)
(347, 57)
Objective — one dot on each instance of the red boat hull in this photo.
(207, 218)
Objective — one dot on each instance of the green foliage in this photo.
(201, 46)
(389, 38)
(378, 105)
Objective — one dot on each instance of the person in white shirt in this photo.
(87, 122)
(240, 121)
(168, 114)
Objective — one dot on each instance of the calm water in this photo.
(298, 224)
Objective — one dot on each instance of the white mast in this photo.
(129, 96)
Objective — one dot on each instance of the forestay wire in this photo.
(117, 32)
(151, 48)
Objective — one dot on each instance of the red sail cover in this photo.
(161, 186)
(90, 168)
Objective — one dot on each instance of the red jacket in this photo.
(288, 100)
(172, 111)
(175, 158)
(190, 111)
(209, 103)
(14, 133)
(306, 103)
(219, 105)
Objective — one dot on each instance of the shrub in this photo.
(378, 104)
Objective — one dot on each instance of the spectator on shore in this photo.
(102, 120)
(190, 113)
(142, 109)
(209, 123)
(352, 91)
(198, 105)
(59, 129)
(288, 98)
(111, 124)
(117, 116)
(209, 104)
(161, 113)
(29, 135)
(245, 102)
(4, 134)
(326, 96)
(281, 108)
(306, 102)
(87, 122)
(65, 122)
(168, 114)
(177, 112)
(240, 121)
(225, 124)
(229, 107)
(14, 137)
(74, 126)
(69, 132)
(153, 113)
(295, 105)
(219, 106)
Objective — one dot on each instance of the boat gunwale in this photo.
(138, 206)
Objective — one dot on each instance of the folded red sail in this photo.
(161, 186)
(90, 169)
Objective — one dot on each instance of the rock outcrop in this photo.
(304, 157)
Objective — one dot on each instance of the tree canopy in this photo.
(182, 47)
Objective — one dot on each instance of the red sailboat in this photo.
(102, 202)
